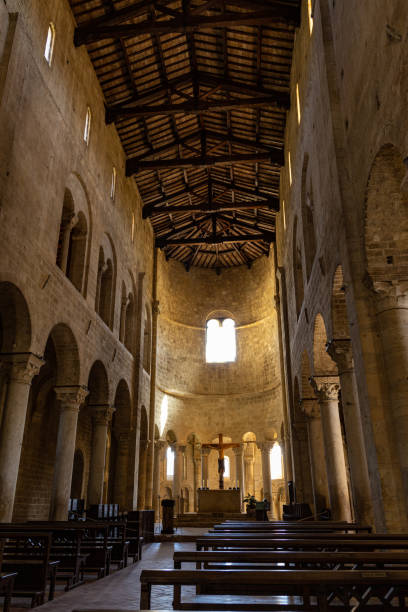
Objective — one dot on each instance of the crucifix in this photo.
(221, 446)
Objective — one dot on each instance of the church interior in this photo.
(206, 327)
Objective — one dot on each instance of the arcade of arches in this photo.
(105, 390)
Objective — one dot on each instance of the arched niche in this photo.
(15, 320)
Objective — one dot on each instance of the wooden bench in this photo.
(291, 528)
(28, 555)
(323, 544)
(6, 588)
(258, 559)
(317, 590)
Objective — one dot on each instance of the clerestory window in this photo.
(220, 341)
(49, 44)
(170, 462)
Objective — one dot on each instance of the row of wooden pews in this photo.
(288, 566)
(39, 554)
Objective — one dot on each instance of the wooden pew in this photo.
(307, 528)
(259, 559)
(283, 543)
(318, 590)
(28, 555)
(264, 535)
(6, 588)
(65, 548)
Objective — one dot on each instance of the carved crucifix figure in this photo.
(221, 446)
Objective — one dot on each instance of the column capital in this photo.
(238, 450)
(144, 444)
(341, 352)
(205, 451)
(310, 407)
(71, 397)
(265, 446)
(22, 367)
(390, 294)
(160, 445)
(326, 387)
(102, 413)
(179, 448)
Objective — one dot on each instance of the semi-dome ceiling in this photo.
(198, 91)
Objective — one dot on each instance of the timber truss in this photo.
(198, 91)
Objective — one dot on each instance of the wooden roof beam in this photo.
(147, 208)
(161, 243)
(208, 208)
(255, 193)
(135, 165)
(90, 33)
(190, 108)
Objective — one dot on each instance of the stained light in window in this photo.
(221, 341)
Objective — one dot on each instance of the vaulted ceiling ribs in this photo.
(198, 91)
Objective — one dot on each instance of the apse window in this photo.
(221, 344)
(227, 467)
(275, 457)
(87, 128)
(49, 44)
(170, 462)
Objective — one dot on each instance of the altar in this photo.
(219, 500)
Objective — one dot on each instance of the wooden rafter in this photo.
(91, 33)
(161, 243)
(211, 208)
(134, 165)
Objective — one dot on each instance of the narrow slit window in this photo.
(227, 467)
(221, 341)
(132, 230)
(49, 44)
(87, 128)
(170, 462)
(275, 457)
(113, 184)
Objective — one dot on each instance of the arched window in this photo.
(113, 184)
(169, 462)
(49, 44)
(87, 128)
(297, 271)
(227, 467)
(105, 303)
(128, 340)
(71, 252)
(147, 345)
(275, 457)
(220, 341)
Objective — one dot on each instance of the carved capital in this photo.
(102, 413)
(179, 448)
(326, 387)
(71, 397)
(238, 450)
(22, 367)
(265, 447)
(205, 451)
(155, 307)
(310, 407)
(341, 352)
(159, 446)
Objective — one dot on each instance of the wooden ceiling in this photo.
(198, 91)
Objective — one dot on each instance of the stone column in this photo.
(121, 469)
(265, 448)
(391, 303)
(23, 368)
(197, 473)
(66, 240)
(70, 398)
(159, 446)
(101, 417)
(141, 496)
(239, 471)
(341, 353)
(123, 309)
(178, 474)
(327, 392)
(310, 408)
(249, 461)
(204, 466)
